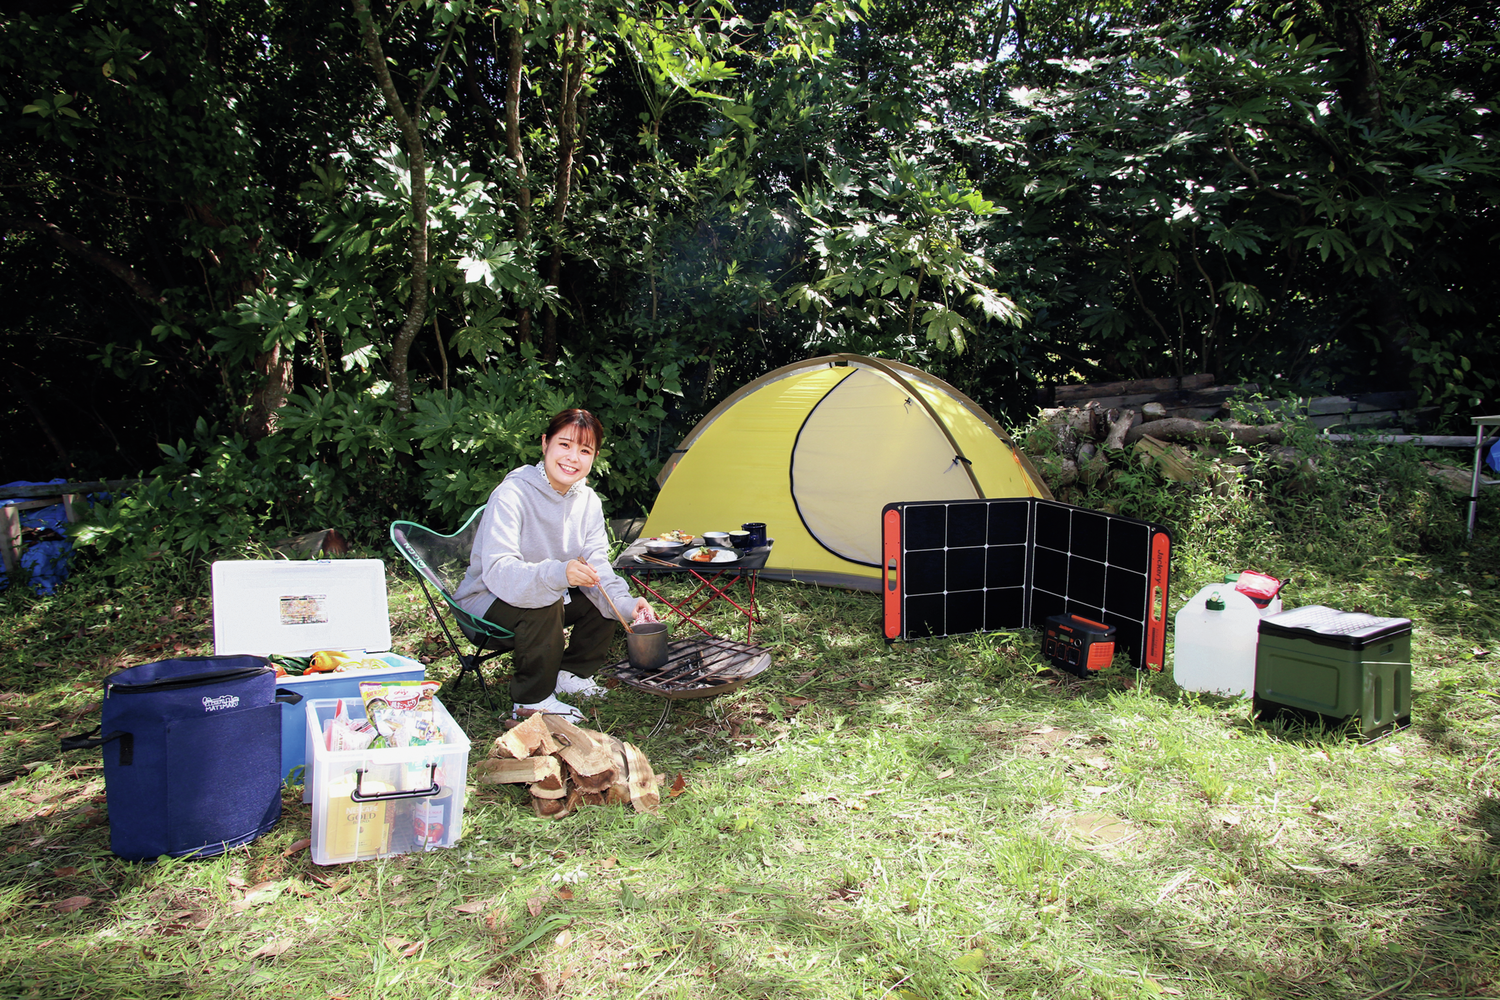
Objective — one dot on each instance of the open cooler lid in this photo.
(266, 606)
(1331, 627)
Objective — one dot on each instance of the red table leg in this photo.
(710, 584)
(681, 613)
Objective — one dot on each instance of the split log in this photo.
(643, 788)
(555, 808)
(584, 768)
(1174, 461)
(1118, 428)
(619, 792)
(552, 786)
(591, 765)
(500, 771)
(1215, 432)
(531, 738)
(1081, 420)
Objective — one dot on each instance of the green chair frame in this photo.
(441, 562)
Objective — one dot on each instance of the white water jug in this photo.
(1213, 648)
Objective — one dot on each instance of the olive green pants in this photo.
(540, 649)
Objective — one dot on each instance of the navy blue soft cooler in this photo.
(192, 756)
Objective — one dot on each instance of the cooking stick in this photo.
(611, 601)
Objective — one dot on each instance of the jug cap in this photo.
(1215, 602)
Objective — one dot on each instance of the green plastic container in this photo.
(1336, 663)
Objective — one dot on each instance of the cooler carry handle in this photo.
(287, 696)
(417, 793)
(87, 741)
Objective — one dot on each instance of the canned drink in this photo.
(431, 820)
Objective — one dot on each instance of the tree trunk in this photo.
(567, 142)
(416, 154)
(274, 368)
(518, 157)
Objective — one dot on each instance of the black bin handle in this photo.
(359, 795)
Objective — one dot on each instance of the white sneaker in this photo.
(584, 687)
(549, 705)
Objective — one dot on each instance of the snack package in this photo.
(644, 614)
(343, 733)
(401, 712)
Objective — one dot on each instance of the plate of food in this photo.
(710, 554)
(668, 543)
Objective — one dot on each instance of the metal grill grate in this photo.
(697, 668)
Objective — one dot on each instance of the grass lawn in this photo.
(946, 818)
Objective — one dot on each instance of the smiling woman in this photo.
(540, 564)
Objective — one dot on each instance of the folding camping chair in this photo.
(441, 562)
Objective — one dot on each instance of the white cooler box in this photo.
(264, 606)
(375, 803)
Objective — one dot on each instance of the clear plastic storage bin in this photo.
(375, 803)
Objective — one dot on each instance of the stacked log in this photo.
(1195, 397)
(1181, 427)
(1090, 438)
(564, 767)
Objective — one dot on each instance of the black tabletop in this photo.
(635, 559)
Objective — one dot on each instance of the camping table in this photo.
(1480, 423)
(714, 581)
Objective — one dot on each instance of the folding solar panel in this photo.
(953, 567)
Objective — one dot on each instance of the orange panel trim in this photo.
(891, 572)
(1156, 619)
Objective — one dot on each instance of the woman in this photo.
(540, 563)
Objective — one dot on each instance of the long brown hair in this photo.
(587, 424)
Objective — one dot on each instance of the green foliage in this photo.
(354, 462)
(1245, 203)
(208, 500)
(1347, 507)
(214, 214)
(895, 250)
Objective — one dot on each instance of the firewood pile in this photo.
(1182, 427)
(564, 767)
(1140, 421)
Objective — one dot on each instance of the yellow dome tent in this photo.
(818, 448)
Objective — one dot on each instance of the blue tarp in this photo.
(44, 564)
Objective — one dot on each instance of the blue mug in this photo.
(757, 531)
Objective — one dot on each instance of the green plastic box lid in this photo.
(1331, 627)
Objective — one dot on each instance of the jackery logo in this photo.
(220, 703)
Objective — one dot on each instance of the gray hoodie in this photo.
(526, 537)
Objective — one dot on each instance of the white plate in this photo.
(719, 556)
